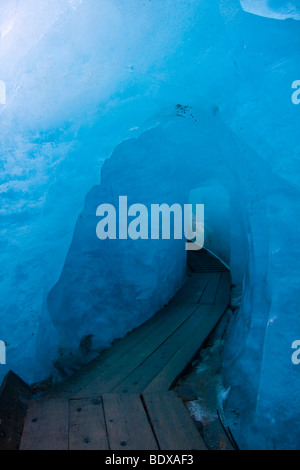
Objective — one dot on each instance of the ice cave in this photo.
(176, 102)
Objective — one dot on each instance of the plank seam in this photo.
(150, 421)
(105, 422)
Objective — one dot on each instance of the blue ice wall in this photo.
(277, 9)
(199, 92)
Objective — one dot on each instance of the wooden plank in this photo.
(202, 261)
(146, 372)
(46, 425)
(223, 293)
(209, 294)
(192, 290)
(172, 424)
(127, 424)
(87, 430)
(117, 373)
(168, 374)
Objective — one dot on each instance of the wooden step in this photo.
(173, 426)
(87, 430)
(47, 425)
(127, 423)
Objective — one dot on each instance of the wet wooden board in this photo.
(209, 295)
(127, 423)
(223, 293)
(192, 290)
(87, 429)
(46, 426)
(172, 424)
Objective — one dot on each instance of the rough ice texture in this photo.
(200, 91)
(107, 287)
(277, 9)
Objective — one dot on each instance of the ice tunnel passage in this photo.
(83, 288)
(136, 278)
(102, 85)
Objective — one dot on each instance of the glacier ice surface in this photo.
(179, 100)
(276, 9)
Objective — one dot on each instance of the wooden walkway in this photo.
(123, 399)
